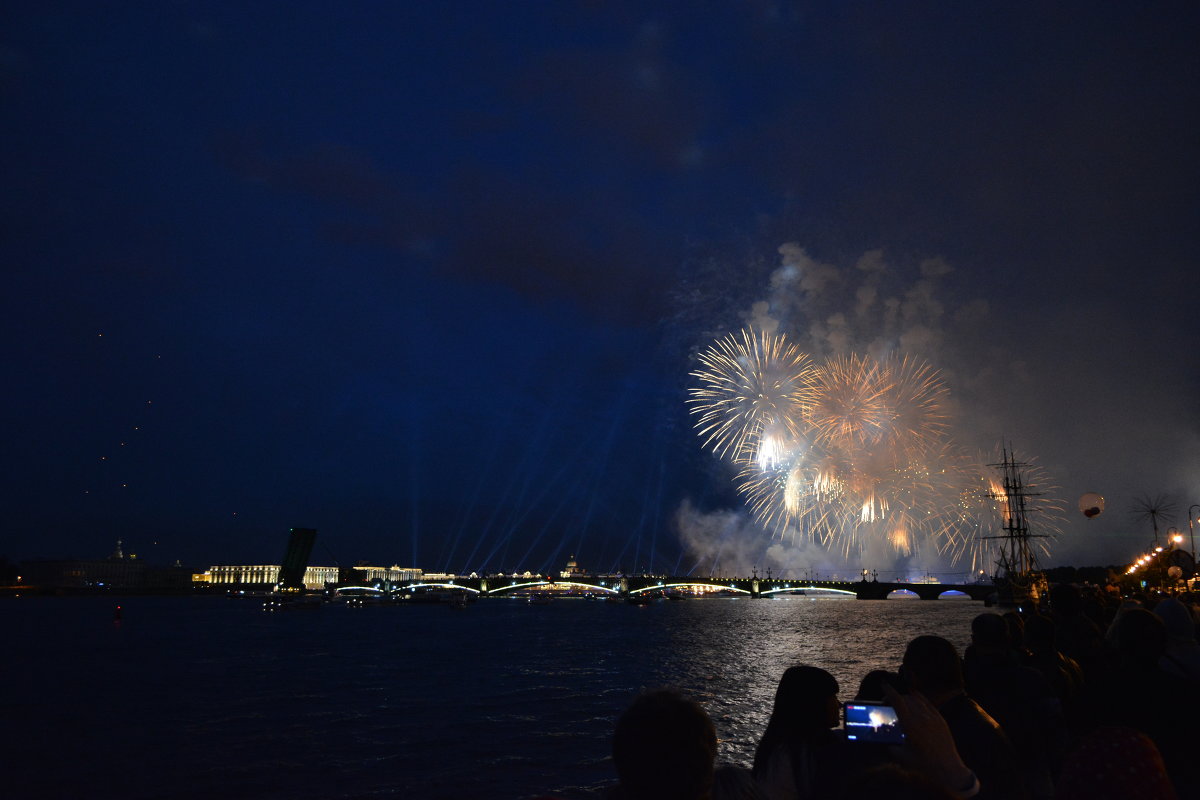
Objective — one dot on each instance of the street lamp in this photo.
(1191, 534)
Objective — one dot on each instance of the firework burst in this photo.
(850, 453)
(753, 396)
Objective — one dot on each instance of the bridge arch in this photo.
(724, 587)
(499, 590)
(591, 586)
(902, 594)
(412, 586)
(512, 587)
(806, 589)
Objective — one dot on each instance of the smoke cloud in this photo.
(1079, 392)
(729, 542)
(871, 307)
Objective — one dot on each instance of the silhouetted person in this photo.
(871, 687)
(1016, 696)
(1062, 671)
(799, 755)
(1182, 656)
(1016, 633)
(893, 782)
(735, 783)
(664, 748)
(932, 667)
(1116, 763)
(1134, 691)
(1078, 635)
(928, 748)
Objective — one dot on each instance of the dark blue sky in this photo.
(430, 278)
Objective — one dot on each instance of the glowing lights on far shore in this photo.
(1150, 558)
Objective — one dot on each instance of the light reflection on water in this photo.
(212, 696)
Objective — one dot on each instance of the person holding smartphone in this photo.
(803, 755)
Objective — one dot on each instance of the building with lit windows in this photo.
(263, 576)
(365, 575)
(267, 576)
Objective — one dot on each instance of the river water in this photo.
(196, 697)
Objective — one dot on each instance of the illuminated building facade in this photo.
(264, 575)
(392, 574)
(267, 575)
(573, 570)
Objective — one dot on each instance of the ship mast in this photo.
(1017, 565)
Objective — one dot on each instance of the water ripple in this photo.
(213, 697)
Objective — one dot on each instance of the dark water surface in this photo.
(191, 697)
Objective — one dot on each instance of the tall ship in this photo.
(1018, 580)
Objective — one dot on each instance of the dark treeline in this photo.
(1094, 575)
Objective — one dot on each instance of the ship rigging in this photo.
(1018, 579)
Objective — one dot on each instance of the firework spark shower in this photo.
(854, 451)
(756, 393)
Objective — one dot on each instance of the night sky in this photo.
(430, 278)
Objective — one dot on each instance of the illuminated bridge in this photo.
(633, 585)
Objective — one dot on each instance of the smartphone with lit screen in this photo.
(871, 722)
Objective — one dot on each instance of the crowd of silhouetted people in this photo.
(1092, 696)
